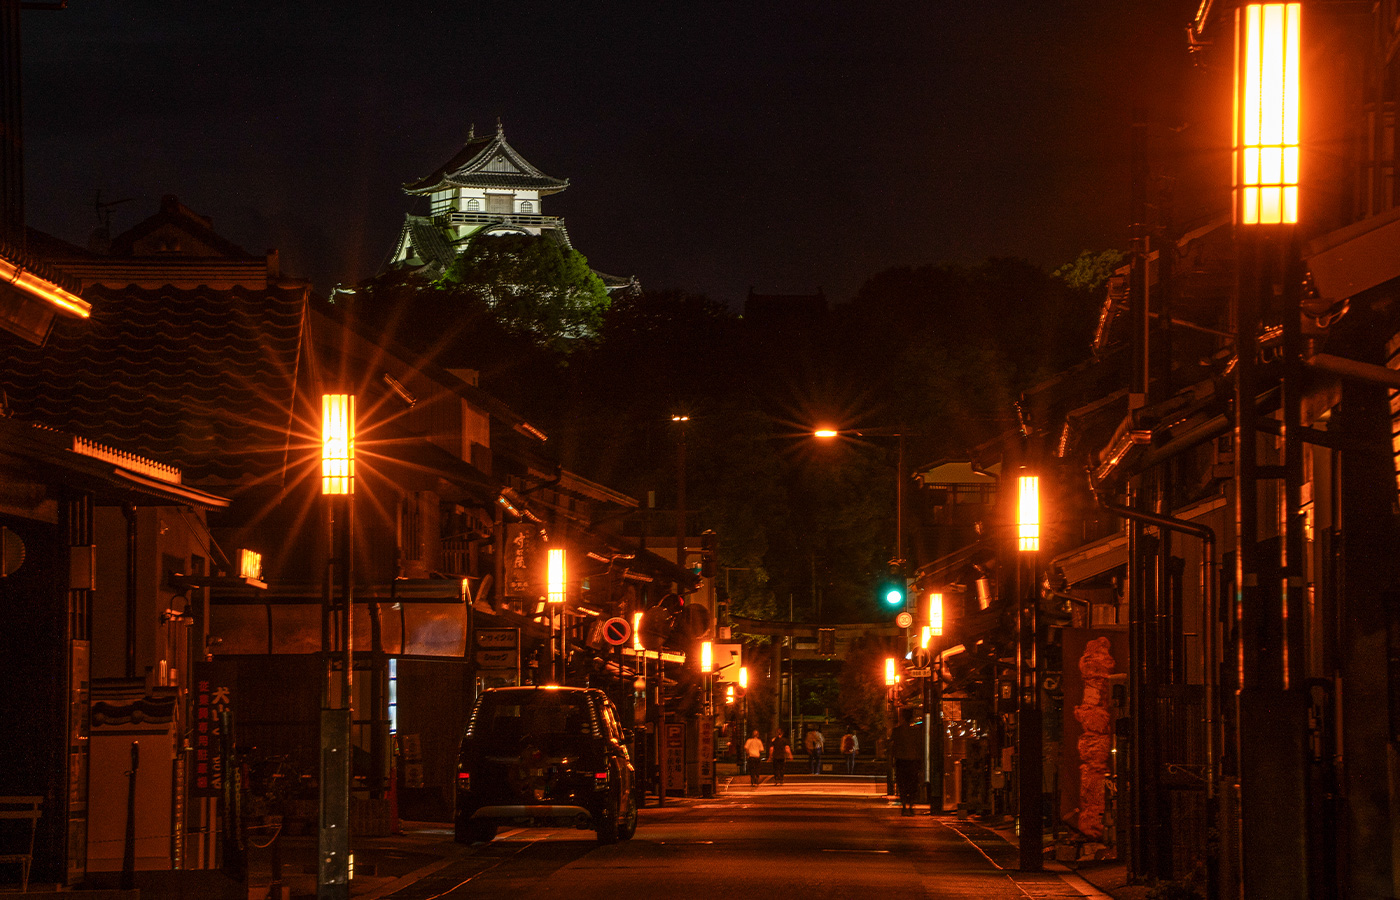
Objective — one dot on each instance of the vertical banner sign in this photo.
(707, 749)
(213, 706)
(520, 554)
(79, 709)
(673, 757)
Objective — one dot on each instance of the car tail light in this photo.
(464, 781)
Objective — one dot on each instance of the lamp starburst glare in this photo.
(337, 443)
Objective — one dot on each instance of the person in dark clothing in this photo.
(907, 747)
(850, 745)
(780, 752)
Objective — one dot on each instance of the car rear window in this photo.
(507, 718)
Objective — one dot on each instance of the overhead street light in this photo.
(825, 433)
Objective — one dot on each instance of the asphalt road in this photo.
(803, 840)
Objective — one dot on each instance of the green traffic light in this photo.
(894, 597)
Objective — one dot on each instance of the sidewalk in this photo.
(382, 864)
(1109, 877)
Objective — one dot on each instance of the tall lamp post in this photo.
(557, 590)
(744, 688)
(891, 683)
(933, 706)
(1030, 806)
(897, 566)
(1271, 699)
(681, 421)
(337, 647)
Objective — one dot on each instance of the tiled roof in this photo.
(515, 181)
(200, 379)
(196, 233)
(488, 162)
(41, 267)
(429, 243)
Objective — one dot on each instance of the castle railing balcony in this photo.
(488, 218)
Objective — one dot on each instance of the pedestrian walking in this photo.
(779, 752)
(815, 744)
(907, 747)
(753, 751)
(850, 746)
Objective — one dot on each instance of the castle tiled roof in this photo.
(487, 162)
(198, 378)
(429, 242)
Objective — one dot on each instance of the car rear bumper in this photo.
(555, 811)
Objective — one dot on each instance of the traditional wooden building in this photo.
(486, 188)
(1217, 600)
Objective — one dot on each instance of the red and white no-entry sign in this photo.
(617, 631)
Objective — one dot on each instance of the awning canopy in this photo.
(1093, 559)
(58, 458)
(1356, 258)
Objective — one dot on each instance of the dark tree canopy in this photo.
(535, 286)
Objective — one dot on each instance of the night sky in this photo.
(710, 146)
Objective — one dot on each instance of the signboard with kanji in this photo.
(673, 757)
(213, 710)
(706, 753)
(521, 542)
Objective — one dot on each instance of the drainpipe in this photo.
(129, 511)
(1208, 603)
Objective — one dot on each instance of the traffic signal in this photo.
(658, 621)
(894, 588)
(709, 550)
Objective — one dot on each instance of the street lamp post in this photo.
(891, 684)
(681, 422)
(1271, 698)
(897, 565)
(933, 706)
(1028, 724)
(899, 434)
(744, 687)
(337, 647)
(557, 590)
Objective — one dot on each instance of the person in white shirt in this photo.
(753, 750)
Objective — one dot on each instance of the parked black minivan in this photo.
(544, 755)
